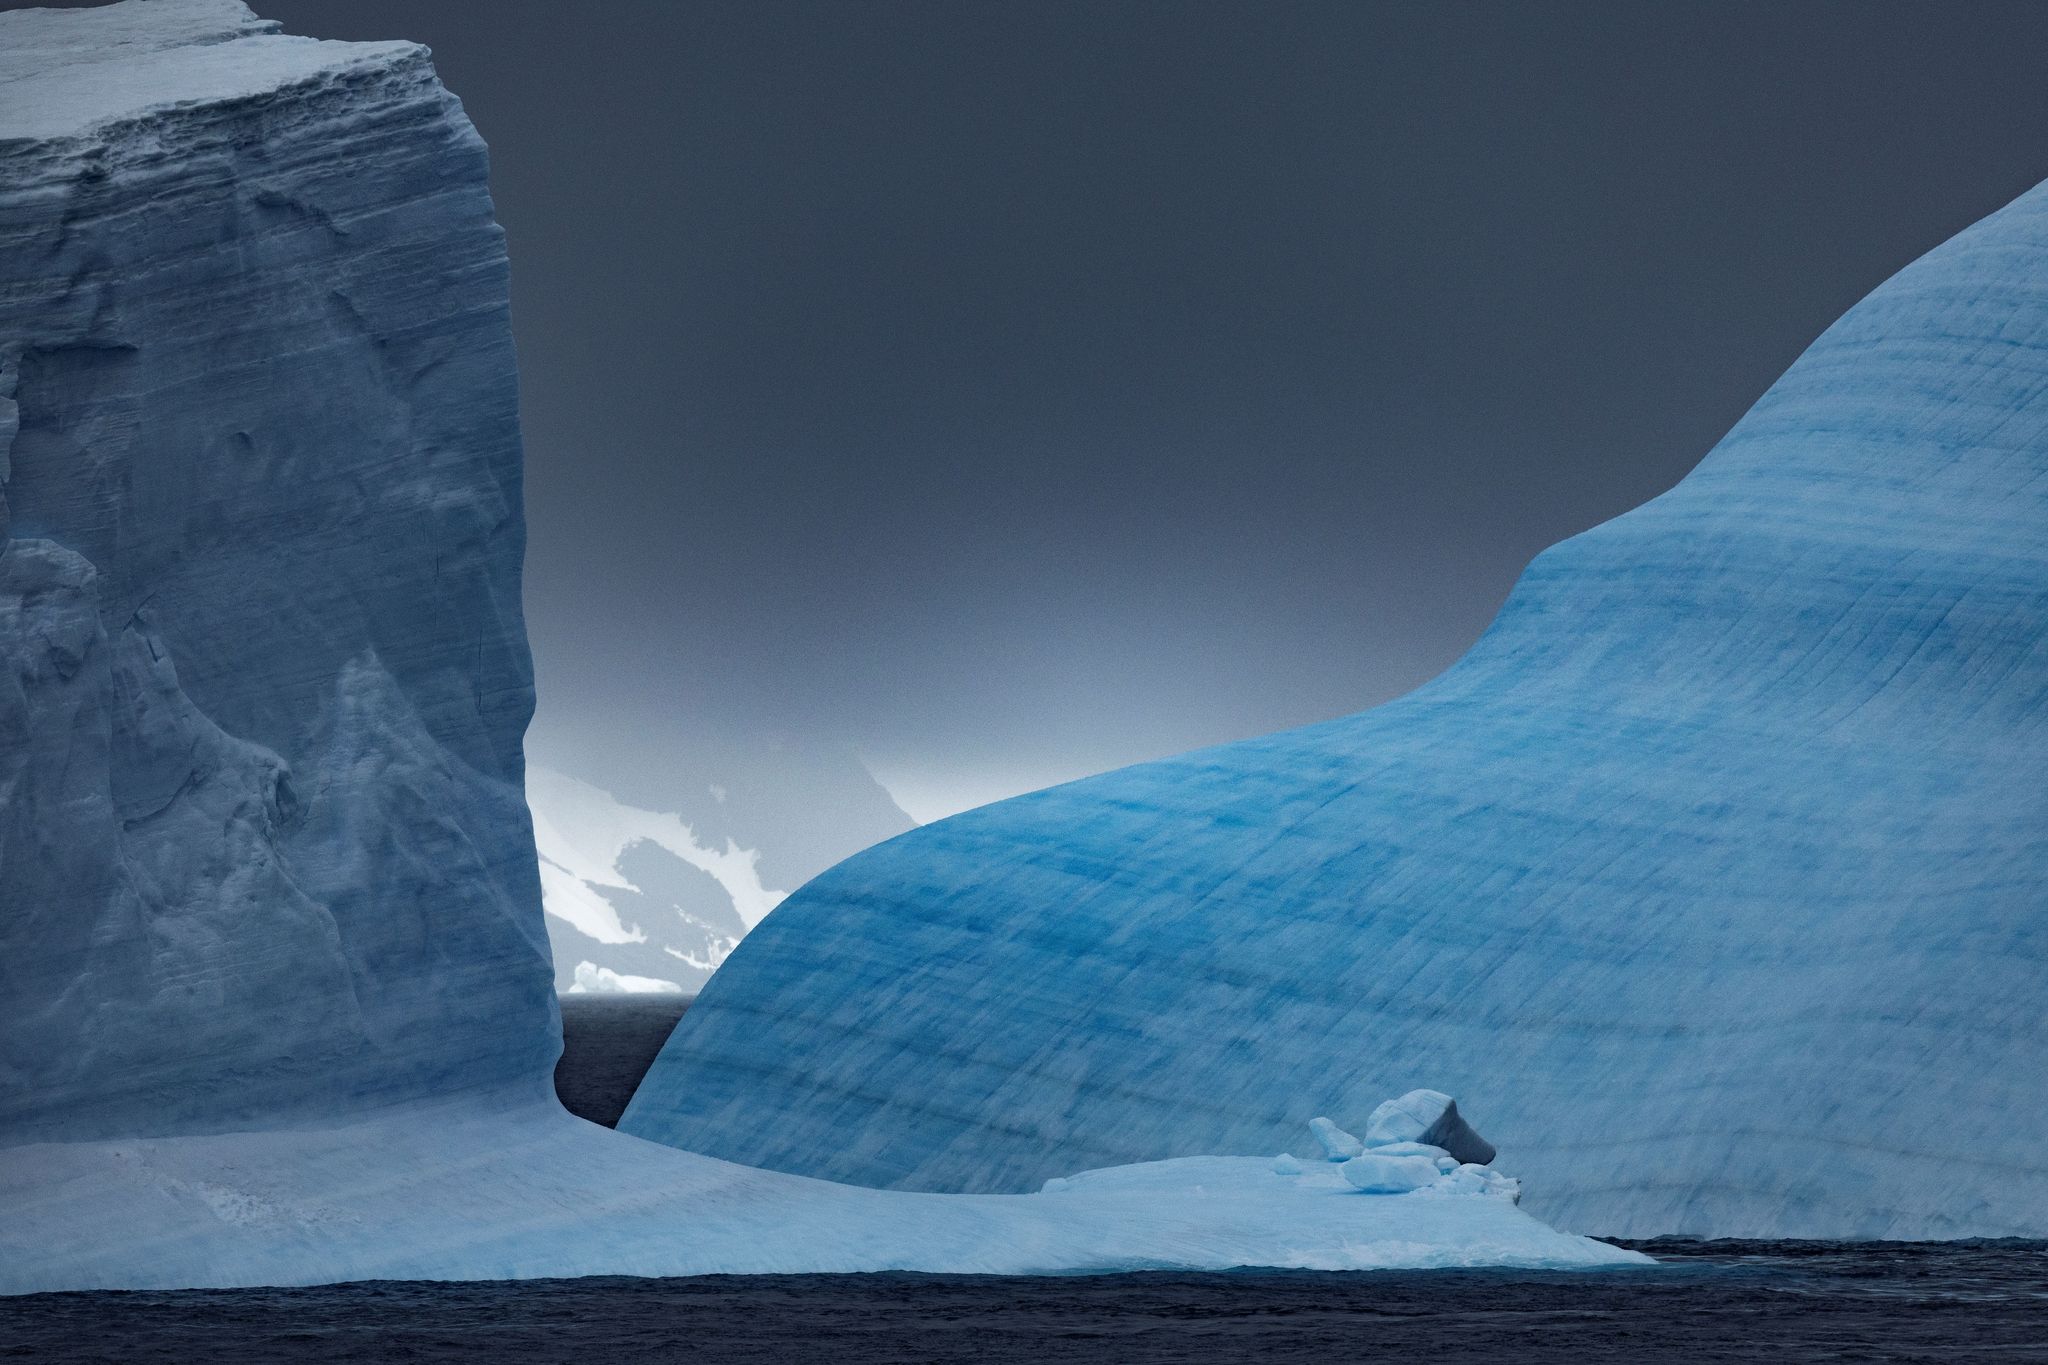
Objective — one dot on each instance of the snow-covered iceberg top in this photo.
(64, 72)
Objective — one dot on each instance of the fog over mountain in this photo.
(650, 880)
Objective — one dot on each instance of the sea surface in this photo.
(608, 1042)
(1712, 1302)
(1709, 1301)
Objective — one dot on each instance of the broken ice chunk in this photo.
(1429, 1117)
(1338, 1145)
(1479, 1180)
(1376, 1174)
(1284, 1164)
(1411, 1149)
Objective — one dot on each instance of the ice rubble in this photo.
(1718, 865)
(1412, 1142)
(276, 1001)
(1337, 1144)
(1426, 1118)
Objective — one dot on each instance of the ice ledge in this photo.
(65, 72)
(515, 1188)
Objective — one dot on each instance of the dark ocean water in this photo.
(1709, 1301)
(608, 1042)
(1714, 1302)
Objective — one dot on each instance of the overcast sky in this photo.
(1013, 391)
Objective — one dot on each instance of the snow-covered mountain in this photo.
(652, 900)
(634, 901)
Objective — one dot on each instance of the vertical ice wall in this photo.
(262, 670)
(1714, 880)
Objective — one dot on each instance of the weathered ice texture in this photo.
(276, 999)
(263, 849)
(1714, 878)
(1429, 1118)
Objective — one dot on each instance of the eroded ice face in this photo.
(261, 655)
(1701, 867)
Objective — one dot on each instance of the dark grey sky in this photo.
(1012, 391)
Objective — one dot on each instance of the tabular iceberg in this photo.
(275, 1002)
(261, 462)
(1719, 866)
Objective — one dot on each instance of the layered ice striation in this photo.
(274, 995)
(1718, 865)
(263, 849)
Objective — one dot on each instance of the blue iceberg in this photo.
(1718, 866)
(275, 998)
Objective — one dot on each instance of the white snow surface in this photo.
(664, 882)
(591, 979)
(64, 73)
(687, 901)
(507, 1187)
(582, 829)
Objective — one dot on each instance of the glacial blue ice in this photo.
(470, 1190)
(1337, 1144)
(1379, 1173)
(275, 1001)
(1716, 870)
(263, 846)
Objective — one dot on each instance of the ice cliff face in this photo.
(274, 1002)
(262, 672)
(1718, 868)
